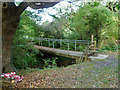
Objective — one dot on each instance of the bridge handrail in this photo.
(49, 40)
(64, 40)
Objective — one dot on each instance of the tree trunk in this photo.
(8, 30)
(6, 46)
(10, 22)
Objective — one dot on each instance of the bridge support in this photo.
(77, 60)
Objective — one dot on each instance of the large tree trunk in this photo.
(7, 38)
(10, 22)
(6, 52)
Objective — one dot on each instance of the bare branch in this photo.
(114, 7)
(109, 6)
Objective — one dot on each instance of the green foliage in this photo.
(53, 29)
(97, 20)
(23, 54)
(109, 45)
(50, 62)
(110, 48)
(95, 4)
(91, 19)
(118, 5)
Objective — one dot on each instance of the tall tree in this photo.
(10, 20)
(93, 20)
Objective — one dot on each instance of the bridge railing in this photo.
(61, 43)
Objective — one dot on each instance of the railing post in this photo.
(68, 45)
(91, 38)
(41, 42)
(95, 45)
(60, 44)
(49, 42)
(53, 44)
(86, 52)
(75, 45)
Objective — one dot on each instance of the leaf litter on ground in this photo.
(86, 75)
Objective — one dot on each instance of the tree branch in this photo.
(22, 7)
(36, 5)
(109, 6)
(114, 7)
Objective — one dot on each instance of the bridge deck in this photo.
(66, 53)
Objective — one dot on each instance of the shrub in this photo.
(50, 62)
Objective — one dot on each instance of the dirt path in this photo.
(101, 74)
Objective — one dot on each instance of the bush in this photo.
(50, 62)
(23, 54)
(110, 48)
